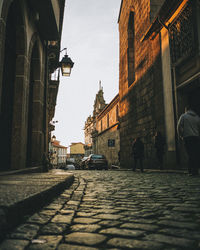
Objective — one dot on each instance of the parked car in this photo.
(71, 167)
(83, 161)
(95, 161)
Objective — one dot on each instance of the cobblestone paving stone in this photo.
(116, 210)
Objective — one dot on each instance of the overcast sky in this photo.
(90, 33)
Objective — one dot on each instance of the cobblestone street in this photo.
(116, 210)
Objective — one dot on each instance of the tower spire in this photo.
(99, 84)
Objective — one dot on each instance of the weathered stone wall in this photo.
(109, 116)
(27, 136)
(90, 129)
(111, 153)
(107, 127)
(141, 103)
(107, 120)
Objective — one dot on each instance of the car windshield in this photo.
(98, 157)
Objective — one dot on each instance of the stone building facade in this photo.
(178, 23)
(30, 33)
(140, 80)
(159, 73)
(90, 131)
(107, 137)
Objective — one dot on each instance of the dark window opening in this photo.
(131, 49)
(111, 142)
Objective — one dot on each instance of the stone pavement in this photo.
(22, 194)
(116, 210)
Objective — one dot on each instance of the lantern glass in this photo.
(66, 69)
(66, 65)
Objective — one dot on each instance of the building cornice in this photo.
(120, 10)
(114, 101)
(107, 129)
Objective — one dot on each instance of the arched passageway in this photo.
(35, 111)
(8, 80)
(13, 87)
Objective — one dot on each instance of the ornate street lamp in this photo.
(66, 65)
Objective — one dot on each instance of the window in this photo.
(111, 142)
(131, 49)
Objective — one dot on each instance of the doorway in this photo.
(35, 111)
(188, 95)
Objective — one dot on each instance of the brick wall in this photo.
(141, 103)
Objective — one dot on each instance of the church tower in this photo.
(99, 103)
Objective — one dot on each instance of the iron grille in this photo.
(182, 35)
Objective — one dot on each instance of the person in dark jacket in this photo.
(138, 153)
(159, 145)
(188, 128)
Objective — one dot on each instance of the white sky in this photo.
(90, 33)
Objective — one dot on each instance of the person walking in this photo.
(160, 146)
(188, 129)
(138, 153)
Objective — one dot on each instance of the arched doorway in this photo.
(8, 80)
(35, 111)
(12, 86)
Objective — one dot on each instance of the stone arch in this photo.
(35, 106)
(5, 8)
(20, 30)
(3, 16)
(14, 45)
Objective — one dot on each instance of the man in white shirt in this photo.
(189, 130)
